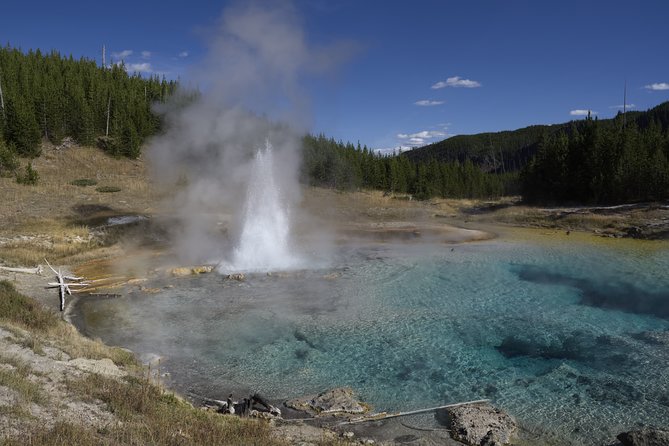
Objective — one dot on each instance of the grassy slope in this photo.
(146, 413)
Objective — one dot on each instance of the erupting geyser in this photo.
(264, 242)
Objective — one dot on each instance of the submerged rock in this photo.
(645, 437)
(480, 424)
(191, 270)
(338, 400)
(653, 337)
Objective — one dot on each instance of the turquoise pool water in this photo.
(568, 338)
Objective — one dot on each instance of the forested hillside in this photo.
(493, 152)
(344, 166)
(595, 161)
(46, 95)
(511, 150)
(50, 97)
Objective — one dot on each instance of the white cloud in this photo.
(144, 67)
(428, 103)
(183, 54)
(123, 54)
(622, 106)
(420, 138)
(146, 54)
(456, 81)
(657, 86)
(580, 112)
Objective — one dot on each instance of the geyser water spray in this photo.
(264, 242)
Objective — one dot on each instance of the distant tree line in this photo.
(47, 96)
(329, 163)
(501, 152)
(594, 161)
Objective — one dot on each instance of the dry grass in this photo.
(68, 339)
(47, 220)
(148, 416)
(17, 410)
(16, 378)
(35, 326)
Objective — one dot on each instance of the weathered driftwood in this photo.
(385, 416)
(62, 286)
(245, 407)
(38, 270)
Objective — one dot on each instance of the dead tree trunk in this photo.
(108, 107)
(2, 100)
(62, 286)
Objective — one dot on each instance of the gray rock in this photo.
(645, 437)
(490, 440)
(478, 424)
(339, 400)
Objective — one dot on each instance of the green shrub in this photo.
(109, 145)
(84, 182)
(30, 177)
(108, 189)
(8, 160)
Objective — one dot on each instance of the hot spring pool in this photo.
(570, 339)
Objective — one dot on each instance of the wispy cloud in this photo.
(420, 138)
(183, 54)
(581, 112)
(143, 67)
(428, 103)
(657, 86)
(146, 54)
(456, 81)
(122, 54)
(620, 107)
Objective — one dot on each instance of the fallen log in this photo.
(38, 270)
(385, 416)
(242, 408)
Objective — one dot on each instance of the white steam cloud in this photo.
(251, 94)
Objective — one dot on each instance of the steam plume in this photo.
(251, 93)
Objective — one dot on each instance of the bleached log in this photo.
(62, 286)
(49, 265)
(385, 415)
(38, 270)
(2, 101)
(55, 284)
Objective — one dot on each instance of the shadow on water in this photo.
(608, 294)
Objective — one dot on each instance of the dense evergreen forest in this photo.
(589, 161)
(47, 96)
(505, 151)
(344, 166)
(609, 161)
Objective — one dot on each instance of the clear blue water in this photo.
(566, 337)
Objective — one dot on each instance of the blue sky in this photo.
(422, 70)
